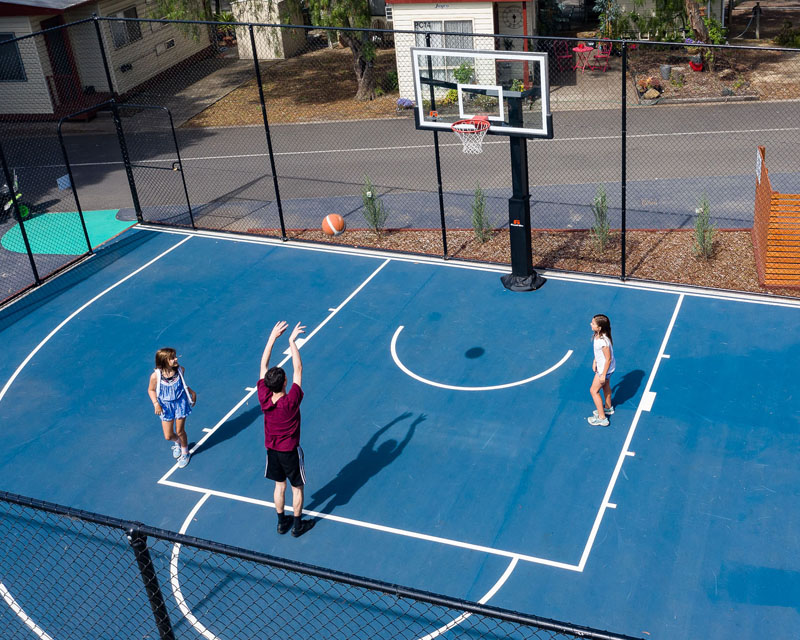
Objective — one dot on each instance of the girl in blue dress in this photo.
(172, 400)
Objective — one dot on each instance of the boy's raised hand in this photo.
(278, 329)
(298, 329)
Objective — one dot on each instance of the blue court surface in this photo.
(444, 427)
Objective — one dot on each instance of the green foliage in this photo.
(464, 73)
(516, 85)
(601, 232)
(450, 98)
(788, 37)
(374, 212)
(390, 82)
(677, 79)
(703, 240)
(717, 34)
(480, 221)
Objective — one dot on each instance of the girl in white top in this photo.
(603, 365)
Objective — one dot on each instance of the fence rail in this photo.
(109, 569)
(253, 128)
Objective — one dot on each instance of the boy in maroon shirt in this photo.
(282, 430)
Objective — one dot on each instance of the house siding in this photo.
(481, 14)
(271, 42)
(142, 56)
(30, 95)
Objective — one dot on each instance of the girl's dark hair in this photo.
(163, 356)
(605, 326)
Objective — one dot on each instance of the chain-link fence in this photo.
(73, 574)
(255, 128)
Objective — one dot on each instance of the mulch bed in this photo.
(663, 255)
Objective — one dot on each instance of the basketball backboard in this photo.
(511, 88)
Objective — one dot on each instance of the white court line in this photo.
(76, 312)
(413, 146)
(598, 280)
(175, 578)
(6, 595)
(379, 527)
(206, 633)
(12, 603)
(282, 362)
(605, 503)
(457, 621)
(410, 373)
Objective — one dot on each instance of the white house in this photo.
(458, 19)
(60, 72)
(270, 41)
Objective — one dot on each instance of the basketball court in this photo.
(444, 425)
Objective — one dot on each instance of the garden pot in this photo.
(666, 70)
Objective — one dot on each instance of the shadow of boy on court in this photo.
(367, 464)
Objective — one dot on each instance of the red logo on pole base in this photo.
(516, 222)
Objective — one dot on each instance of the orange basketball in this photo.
(333, 224)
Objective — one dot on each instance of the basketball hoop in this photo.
(471, 132)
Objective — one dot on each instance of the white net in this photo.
(471, 134)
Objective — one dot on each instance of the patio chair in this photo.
(601, 56)
(563, 55)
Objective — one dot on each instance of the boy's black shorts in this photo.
(286, 464)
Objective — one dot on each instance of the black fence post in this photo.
(138, 542)
(438, 158)
(118, 123)
(623, 179)
(266, 130)
(15, 208)
(72, 184)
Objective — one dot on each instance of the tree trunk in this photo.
(363, 68)
(696, 21)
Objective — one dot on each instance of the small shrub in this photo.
(677, 79)
(390, 82)
(450, 98)
(464, 73)
(703, 240)
(517, 85)
(788, 37)
(480, 221)
(374, 212)
(601, 232)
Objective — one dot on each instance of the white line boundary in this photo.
(605, 504)
(9, 599)
(410, 373)
(693, 292)
(77, 311)
(14, 606)
(210, 432)
(378, 527)
(174, 572)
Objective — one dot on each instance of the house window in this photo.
(458, 35)
(388, 13)
(11, 67)
(123, 33)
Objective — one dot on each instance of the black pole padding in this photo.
(624, 170)
(138, 542)
(257, 70)
(523, 277)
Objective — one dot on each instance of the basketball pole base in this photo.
(522, 283)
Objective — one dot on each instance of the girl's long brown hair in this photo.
(605, 326)
(163, 357)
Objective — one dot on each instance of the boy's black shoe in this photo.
(302, 527)
(284, 524)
